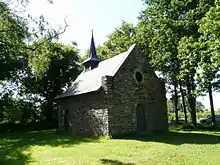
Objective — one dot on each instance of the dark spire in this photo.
(92, 61)
(92, 51)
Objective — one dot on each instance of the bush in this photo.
(199, 115)
(200, 127)
(9, 127)
(188, 127)
(34, 126)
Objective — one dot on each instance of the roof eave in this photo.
(77, 94)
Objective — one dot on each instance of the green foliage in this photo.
(170, 35)
(199, 115)
(118, 41)
(13, 32)
(209, 45)
(16, 111)
(171, 22)
(170, 106)
(62, 63)
(41, 59)
(171, 30)
(17, 37)
(37, 93)
(36, 68)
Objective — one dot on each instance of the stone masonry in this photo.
(88, 115)
(112, 110)
(127, 93)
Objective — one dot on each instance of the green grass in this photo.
(52, 148)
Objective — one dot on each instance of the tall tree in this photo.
(62, 67)
(188, 71)
(209, 50)
(13, 32)
(118, 41)
(18, 32)
(183, 101)
(170, 21)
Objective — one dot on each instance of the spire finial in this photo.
(92, 60)
(92, 51)
(92, 35)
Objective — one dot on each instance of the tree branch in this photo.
(51, 37)
(37, 45)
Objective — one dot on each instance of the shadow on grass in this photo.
(114, 162)
(178, 138)
(14, 145)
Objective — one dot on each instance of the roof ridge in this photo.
(132, 46)
(128, 52)
(91, 80)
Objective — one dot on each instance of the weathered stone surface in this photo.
(127, 93)
(87, 115)
(112, 110)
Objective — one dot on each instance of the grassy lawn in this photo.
(50, 147)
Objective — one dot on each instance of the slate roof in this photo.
(89, 81)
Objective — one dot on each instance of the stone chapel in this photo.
(112, 97)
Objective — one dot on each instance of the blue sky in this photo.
(103, 16)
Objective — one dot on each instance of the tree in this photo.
(171, 106)
(199, 106)
(197, 52)
(170, 22)
(209, 51)
(62, 67)
(182, 92)
(118, 41)
(17, 35)
(13, 32)
(17, 111)
(21, 60)
(163, 41)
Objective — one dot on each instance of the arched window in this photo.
(141, 118)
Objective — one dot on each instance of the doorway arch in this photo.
(141, 118)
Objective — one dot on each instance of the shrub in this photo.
(34, 126)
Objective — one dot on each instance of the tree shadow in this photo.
(14, 145)
(177, 138)
(114, 162)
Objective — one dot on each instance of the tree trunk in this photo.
(191, 99)
(176, 102)
(48, 111)
(211, 103)
(183, 101)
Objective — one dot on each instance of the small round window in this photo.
(139, 76)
